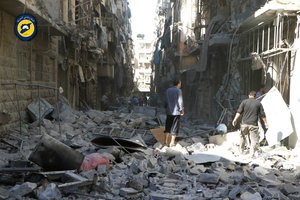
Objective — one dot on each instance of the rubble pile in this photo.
(131, 164)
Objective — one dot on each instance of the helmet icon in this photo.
(25, 27)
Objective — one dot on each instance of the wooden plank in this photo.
(159, 134)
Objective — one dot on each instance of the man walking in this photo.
(174, 110)
(250, 109)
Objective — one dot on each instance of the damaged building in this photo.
(59, 145)
(82, 46)
(223, 49)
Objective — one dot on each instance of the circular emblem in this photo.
(25, 27)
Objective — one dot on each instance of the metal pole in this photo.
(58, 111)
(257, 42)
(268, 41)
(263, 40)
(18, 108)
(39, 119)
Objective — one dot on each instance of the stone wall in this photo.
(23, 66)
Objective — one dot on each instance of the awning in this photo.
(44, 22)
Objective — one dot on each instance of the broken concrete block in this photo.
(48, 124)
(178, 158)
(260, 171)
(270, 180)
(194, 171)
(90, 175)
(4, 194)
(101, 169)
(250, 196)
(234, 192)
(135, 183)
(54, 134)
(22, 190)
(151, 123)
(39, 109)
(229, 165)
(249, 175)
(53, 155)
(158, 196)
(68, 116)
(177, 149)
(135, 167)
(226, 178)
(294, 196)
(203, 158)
(208, 194)
(127, 192)
(51, 192)
(196, 148)
(223, 192)
(146, 110)
(209, 178)
(152, 162)
(288, 189)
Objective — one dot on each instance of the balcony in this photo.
(17, 7)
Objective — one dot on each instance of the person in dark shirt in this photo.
(250, 109)
(174, 109)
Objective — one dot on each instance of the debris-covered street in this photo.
(149, 100)
(114, 155)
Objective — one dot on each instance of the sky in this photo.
(142, 17)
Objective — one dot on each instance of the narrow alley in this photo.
(86, 88)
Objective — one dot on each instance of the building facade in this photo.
(142, 63)
(83, 46)
(222, 49)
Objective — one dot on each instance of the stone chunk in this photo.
(270, 193)
(22, 190)
(4, 194)
(251, 196)
(158, 196)
(294, 196)
(209, 178)
(234, 192)
(51, 192)
(127, 192)
(200, 158)
(289, 189)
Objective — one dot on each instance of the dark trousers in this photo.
(172, 124)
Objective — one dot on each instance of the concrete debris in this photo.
(4, 194)
(52, 154)
(50, 192)
(39, 109)
(200, 166)
(21, 190)
(201, 158)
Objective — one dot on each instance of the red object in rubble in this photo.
(92, 161)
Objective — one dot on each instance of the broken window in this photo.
(39, 62)
(52, 70)
(23, 65)
(77, 11)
